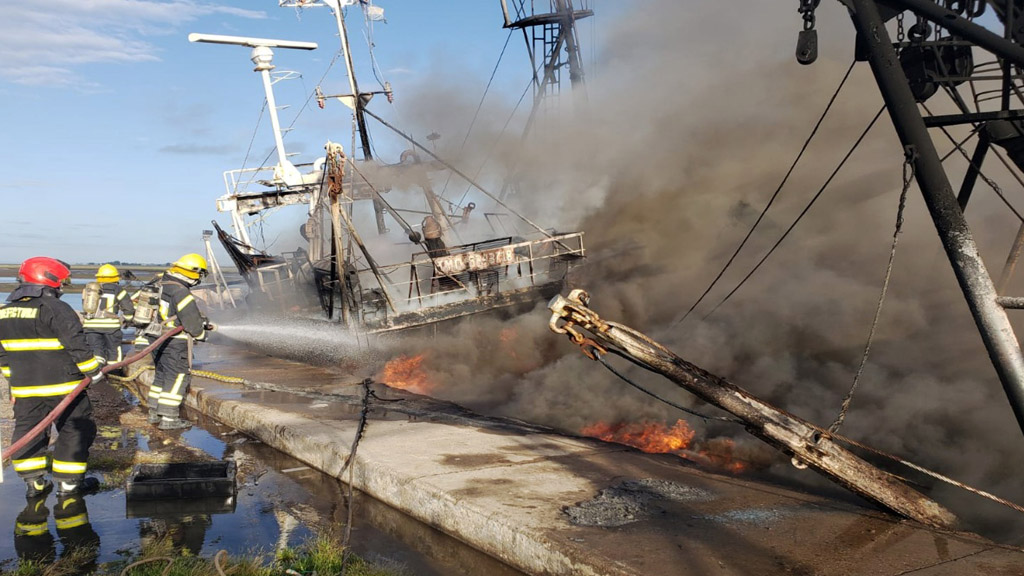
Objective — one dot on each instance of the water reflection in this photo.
(33, 540)
(280, 503)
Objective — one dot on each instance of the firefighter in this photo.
(178, 307)
(44, 355)
(103, 329)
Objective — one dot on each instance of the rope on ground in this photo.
(363, 415)
(167, 569)
(217, 559)
(908, 177)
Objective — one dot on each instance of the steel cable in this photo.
(991, 183)
(802, 214)
(626, 379)
(478, 107)
(363, 416)
(774, 195)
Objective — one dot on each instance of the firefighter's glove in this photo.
(97, 377)
(210, 327)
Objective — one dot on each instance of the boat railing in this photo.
(238, 181)
(477, 270)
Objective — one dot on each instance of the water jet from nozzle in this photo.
(305, 340)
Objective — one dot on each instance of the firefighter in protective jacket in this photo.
(103, 329)
(177, 308)
(44, 356)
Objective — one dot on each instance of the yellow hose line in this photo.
(219, 377)
(131, 376)
(200, 373)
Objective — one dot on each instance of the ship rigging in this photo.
(450, 270)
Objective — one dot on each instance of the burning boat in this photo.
(450, 268)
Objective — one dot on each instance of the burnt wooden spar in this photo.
(975, 281)
(808, 443)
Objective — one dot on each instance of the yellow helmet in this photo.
(107, 273)
(192, 266)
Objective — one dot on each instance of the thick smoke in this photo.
(694, 116)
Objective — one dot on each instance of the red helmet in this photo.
(46, 271)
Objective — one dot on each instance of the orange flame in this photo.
(407, 373)
(657, 438)
(647, 436)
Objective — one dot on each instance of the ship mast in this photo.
(356, 101)
(553, 44)
(550, 38)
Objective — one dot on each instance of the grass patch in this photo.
(323, 556)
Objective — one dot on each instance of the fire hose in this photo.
(46, 421)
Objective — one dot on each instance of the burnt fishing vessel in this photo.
(455, 263)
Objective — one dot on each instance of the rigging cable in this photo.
(370, 45)
(304, 105)
(908, 177)
(774, 195)
(995, 187)
(478, 107)
(804, 212)
(451, 167)
(497, 139)
(256, 129)
(705, 417)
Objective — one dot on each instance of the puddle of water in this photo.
(272, 509)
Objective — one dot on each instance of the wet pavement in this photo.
(544, 502)
(548, 503)
(280, 502)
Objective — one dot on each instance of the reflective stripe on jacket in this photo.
(43, 351)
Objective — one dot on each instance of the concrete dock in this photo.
(547, 503)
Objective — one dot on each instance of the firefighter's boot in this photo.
(83, 486)
(173, 423)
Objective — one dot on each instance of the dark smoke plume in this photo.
(694, 116)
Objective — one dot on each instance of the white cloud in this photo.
(42, 41)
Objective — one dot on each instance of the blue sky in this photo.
(117, 130)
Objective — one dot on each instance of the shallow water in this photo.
(280, 502)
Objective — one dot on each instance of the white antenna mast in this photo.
(262, 56)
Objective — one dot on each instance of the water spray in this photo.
(302, 339)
